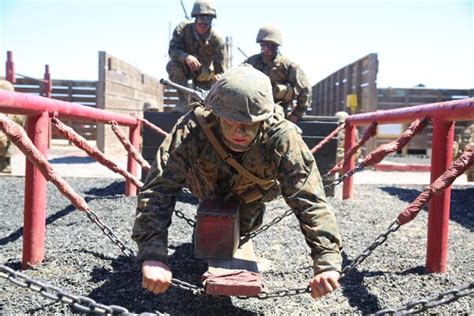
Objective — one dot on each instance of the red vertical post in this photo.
(134, 137)
(439, 205)
(47, 84)
(46, 88)
(10, 68)
(349, 141)
(34, 216)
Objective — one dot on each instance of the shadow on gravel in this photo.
(122, 286)
(110, 191)
(354, 290)
(462, 200)
(50, 219)
(72, 159)
(113, 189)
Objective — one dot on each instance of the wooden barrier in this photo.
(75, 91)
(122, 88)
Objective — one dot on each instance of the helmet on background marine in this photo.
(270, 33)
(203, 7)
(341, 116)
(243, 94)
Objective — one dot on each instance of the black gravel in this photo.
(82, 261)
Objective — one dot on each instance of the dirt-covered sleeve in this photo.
(302, 88)
(303, 191)
(220, 57)
(157, 198)
(177, 42)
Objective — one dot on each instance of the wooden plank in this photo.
(238, 276)
(75, 83)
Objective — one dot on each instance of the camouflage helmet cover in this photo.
(341, 116)
(243, 94)
(270, 33)
(203, 7)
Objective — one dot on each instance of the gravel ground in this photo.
(82, 261)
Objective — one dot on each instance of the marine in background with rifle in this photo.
(197, 52)
(291, 87)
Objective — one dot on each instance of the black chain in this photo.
(81, 303)
(424, 304)
(344, 177)
(265, 227)
(368, 251)
(130, 253)
(109, 233)
(181, 215)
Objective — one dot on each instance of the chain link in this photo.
(344, 177)
(130, 253)
(109, 233)
(368, 251)
(265, 227)
(81, 303)
(424, 304)
(278, 294)
(181, 215)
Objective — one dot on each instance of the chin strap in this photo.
(263, 183)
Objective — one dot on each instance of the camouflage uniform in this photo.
(7, 150)
(288, 80)
(209, 49)
(187, 159)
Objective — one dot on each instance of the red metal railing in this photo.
(39, 110)
(443, 116)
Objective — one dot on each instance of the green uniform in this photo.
(187, 159)
(288, 82)
(209, 49)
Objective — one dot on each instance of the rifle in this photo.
(184, 9)
(198, 94)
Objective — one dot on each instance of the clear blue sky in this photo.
(417, 41)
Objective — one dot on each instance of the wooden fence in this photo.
(393, 98)
(75, 91)
(123, 88)
(352, 89)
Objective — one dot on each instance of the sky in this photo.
(428, 42)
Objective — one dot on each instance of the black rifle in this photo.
(184, 9)
(198, 94)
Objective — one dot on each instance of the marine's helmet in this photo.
(270, 33)
(6, 85)
(203, 7)
(341, 116)
(243, 94)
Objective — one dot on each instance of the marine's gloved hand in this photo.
(156, 276)
(324, 283)
(192, 62)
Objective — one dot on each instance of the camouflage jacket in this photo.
(209, 49)
(187, 159)
(284, 72)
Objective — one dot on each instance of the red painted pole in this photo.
(349, 141)
(35, 195)
(47, 85)
(46, 88)
(439, 205)
(10, 68)
(134, 137)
